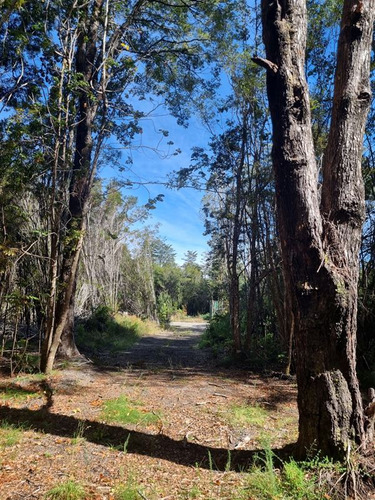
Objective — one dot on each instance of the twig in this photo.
(219, 394)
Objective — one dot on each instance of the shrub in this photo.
(111, 332)
(218, 334)
(165, 309)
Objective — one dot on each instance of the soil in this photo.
(193, 450)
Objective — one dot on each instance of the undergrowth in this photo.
(272, 479)
(111, 332)
(265, 352)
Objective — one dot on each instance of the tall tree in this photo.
(320, 237)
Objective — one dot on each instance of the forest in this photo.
(248, 374)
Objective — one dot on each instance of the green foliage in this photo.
(165, 309)
(266, 352)
(68, 490)
(218, 334)
(123, 411)
(110, 332)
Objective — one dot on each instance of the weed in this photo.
(288, 482)
(9, 434)
(68, 490)
(194, 492)
(229, 462)
(123, 411)
(128, 491)
(217, 335)
(78, 435)
(126, 444)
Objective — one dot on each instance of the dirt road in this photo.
(194, 449)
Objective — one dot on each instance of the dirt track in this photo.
(186, 450)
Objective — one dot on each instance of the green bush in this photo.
(266, 350)
(218, 334)
(165, 309)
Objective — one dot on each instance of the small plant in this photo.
(79, 433)
(68, 490)
(127, 412)
(194, 492)
(9, 434)
(128, 491)
(289, 481)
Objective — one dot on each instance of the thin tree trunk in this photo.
(320, 248)
(67, 348)
(80, 187)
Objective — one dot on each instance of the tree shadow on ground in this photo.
(132, 441)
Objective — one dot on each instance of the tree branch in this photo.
(265, 63)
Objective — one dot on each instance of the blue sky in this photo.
(178, 217)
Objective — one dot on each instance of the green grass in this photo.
(33, 377)
(68, 490)
(123, 411)
(9, 434)
(288, 481)
(17, 393)
(112, 332)
(242, 416)
(126, 492)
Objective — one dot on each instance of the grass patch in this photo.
(289, 481)
(242, 416)
(34, 377)
(113, 333)
(9, 434)
(128, 491)
(123, 411)
(68, 490)
(16, 393)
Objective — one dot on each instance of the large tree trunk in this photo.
(320, 244)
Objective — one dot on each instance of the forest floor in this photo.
(207, 423)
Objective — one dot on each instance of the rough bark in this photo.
(320, 244)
